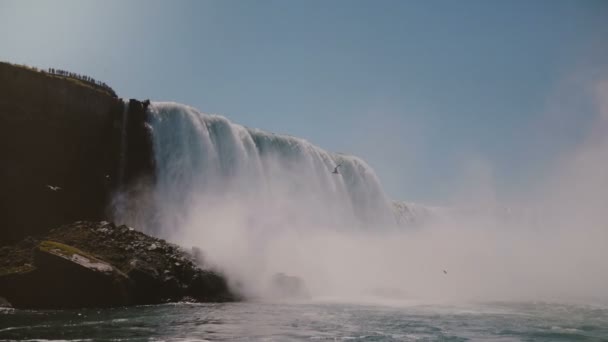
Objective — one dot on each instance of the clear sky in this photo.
(428, 92)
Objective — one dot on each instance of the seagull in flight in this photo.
(53, 188)
(445, 272)
(335, 171)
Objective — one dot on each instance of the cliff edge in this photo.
(60, 142)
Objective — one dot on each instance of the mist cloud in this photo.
(548, 244)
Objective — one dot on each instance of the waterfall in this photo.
(123, 144)
(207, 165)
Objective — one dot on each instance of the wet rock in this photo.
(147, 283)
(65, 277)
(77, 279)
(207, 285)
(80, 260)
(4, 303)
(284, 286)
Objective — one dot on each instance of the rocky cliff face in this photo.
(73, 151)
(60, 144)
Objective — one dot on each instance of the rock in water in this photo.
(284, 286)
(4, 303)
(66, 277)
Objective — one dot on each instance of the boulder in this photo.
(147, 281)
(209, 286)
(4, 303)
(284, 286)
(66, 277)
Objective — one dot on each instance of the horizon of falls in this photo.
(207, 163)
(259, 203)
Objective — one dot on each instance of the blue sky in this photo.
(422, 90)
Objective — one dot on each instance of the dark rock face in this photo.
(61, 146)
(58, 132)
(91, 264)
(140, 158)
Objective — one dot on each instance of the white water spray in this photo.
(239, 193)
(259, 203)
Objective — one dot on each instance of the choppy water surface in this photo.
(313, 322)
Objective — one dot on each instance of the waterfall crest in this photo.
(207, 164)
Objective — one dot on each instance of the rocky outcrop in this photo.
(62, 276)
(98, 264)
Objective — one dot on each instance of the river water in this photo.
(316, 321)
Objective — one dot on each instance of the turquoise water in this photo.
(313, 322)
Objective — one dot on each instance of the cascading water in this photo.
(205, 163)
(259, 203)
(123, 144)
(119, 205)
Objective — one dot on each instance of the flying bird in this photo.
(335, 171)
(53, 188)
(445, 272)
